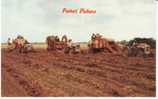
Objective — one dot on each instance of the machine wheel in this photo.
(67, 50)
(140, 53)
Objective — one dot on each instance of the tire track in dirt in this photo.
(111, 67)
(108, 66)
(32, 88)
(108, 63)
(83, 70)
(103, 77)
(39, 73)
(62, 74)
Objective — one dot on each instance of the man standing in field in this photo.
(69, 46)
(69, 43)
(9, 42)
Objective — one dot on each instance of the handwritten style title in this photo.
(78, 11)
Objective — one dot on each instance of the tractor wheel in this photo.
(67, 50)
(140, 53)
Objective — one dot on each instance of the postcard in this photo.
(78, 48)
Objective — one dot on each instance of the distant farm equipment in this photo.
(139, 49)
(98, 43)
(20, 44)
(54, 43)
(65, 44)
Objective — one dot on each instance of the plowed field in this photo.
(46, 73)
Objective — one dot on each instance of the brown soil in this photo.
(56, 74)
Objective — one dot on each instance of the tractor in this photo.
(139, 49)
(98, 44)
(54, 43)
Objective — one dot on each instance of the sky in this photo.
(115, 19)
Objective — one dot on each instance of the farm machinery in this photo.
(139, 49)
(98, 43)
(65, 44)
(54, 43)
(20, 44)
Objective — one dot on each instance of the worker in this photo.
(69, 44)
(64, 38)
(68, 47)
(93, 36)
(20, 37)
(57, 39)
(9, 41)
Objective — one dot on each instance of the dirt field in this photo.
(56, 74)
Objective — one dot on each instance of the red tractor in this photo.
(54, 43)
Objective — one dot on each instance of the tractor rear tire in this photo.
(140, 53)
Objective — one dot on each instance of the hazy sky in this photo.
(117, 19)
